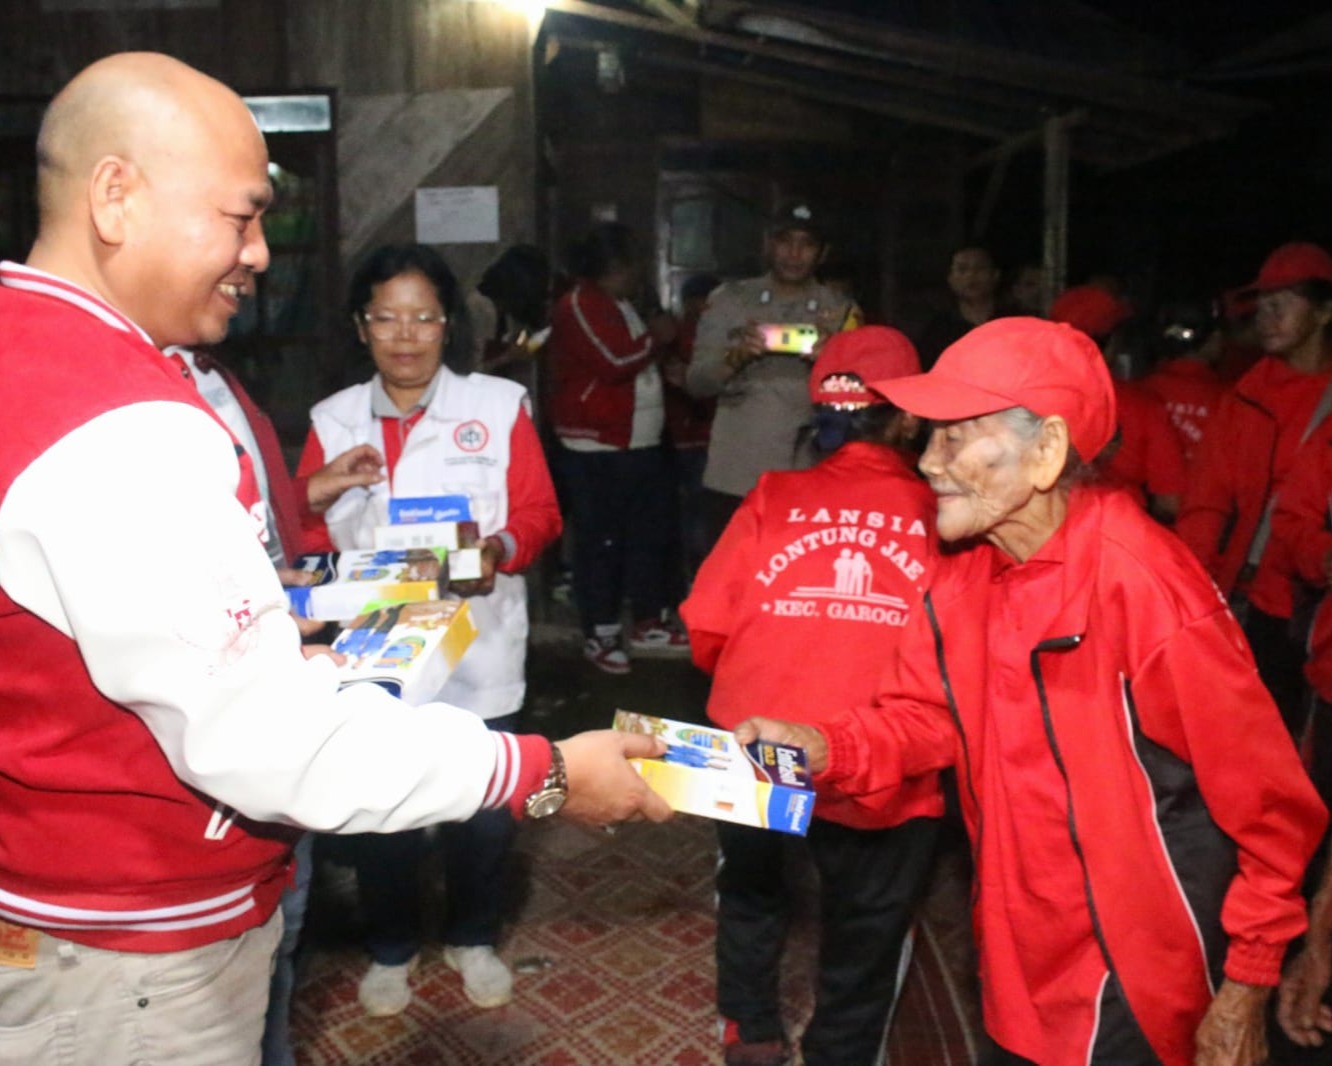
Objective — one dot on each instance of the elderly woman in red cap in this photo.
(1139, 817)
(1250, 450)
(817, 569)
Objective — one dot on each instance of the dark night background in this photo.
(1198, 220)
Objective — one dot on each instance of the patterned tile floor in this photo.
(611, 936)
(612, 951)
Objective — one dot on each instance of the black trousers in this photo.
(715, 510)
(621, 511)
(870, 884)
(475, 854)
(1280, 660)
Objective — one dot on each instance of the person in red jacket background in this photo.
(1140, 821)
(1188, 342)
(1146, 457)
(794, 613)
(608, 412)
(1249, 451)
(1302, 527)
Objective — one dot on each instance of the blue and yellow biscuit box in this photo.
(706, 771)
(409, 649)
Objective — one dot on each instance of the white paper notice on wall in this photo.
(458, 214)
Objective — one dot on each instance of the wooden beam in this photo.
(1151, 128)
(902, 112)
(896, 77)
(1055, 232)
(990, 197)
(1008, 67)
(669, 11)
(1030, 139)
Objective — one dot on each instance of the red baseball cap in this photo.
(1091, 309)
(870, 353)
(1291, 264)
(1049, 368)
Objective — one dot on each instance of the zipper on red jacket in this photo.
(1064, 644)
(928, 603)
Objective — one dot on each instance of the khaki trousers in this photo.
(81, 1006)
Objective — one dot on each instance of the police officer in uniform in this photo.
(755, 344)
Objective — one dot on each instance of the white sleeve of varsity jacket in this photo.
(127, 536)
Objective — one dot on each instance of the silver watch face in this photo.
(544, 804)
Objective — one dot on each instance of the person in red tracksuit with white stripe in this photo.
(1139, 818)
(795, 612)
(608, 411)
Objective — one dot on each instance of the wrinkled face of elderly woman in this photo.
(984, 474)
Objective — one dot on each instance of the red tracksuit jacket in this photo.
(1148, 458)
(1244, 458)
(1302, 524)
(1136, 808)
(593, 363)
(799, 607)
(1192, 392)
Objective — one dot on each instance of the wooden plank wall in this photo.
(376, 47)
(357, 47)
(242, 42)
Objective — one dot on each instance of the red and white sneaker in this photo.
(606, 654)
(659, 636)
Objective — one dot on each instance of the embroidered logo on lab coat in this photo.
(471, 436)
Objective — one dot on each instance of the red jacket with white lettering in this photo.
(1149, 458)
(594, 360)
(1191, 391)
(804, 598)
(1169, 783)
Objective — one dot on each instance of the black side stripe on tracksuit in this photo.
(1204, 859)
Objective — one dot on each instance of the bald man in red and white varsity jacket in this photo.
(155, 708)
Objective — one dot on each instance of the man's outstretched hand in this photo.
(603, 788)
(793, 733)
(357, 467)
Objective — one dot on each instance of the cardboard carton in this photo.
(351, 583)
(707, 771)
(434, 522)
(409, 649)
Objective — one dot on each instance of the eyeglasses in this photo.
(384, 326)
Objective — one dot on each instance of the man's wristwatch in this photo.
(554, 790)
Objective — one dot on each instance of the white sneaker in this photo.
(384, 990)
(606, 654)
(659, 636)
(486, 980)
